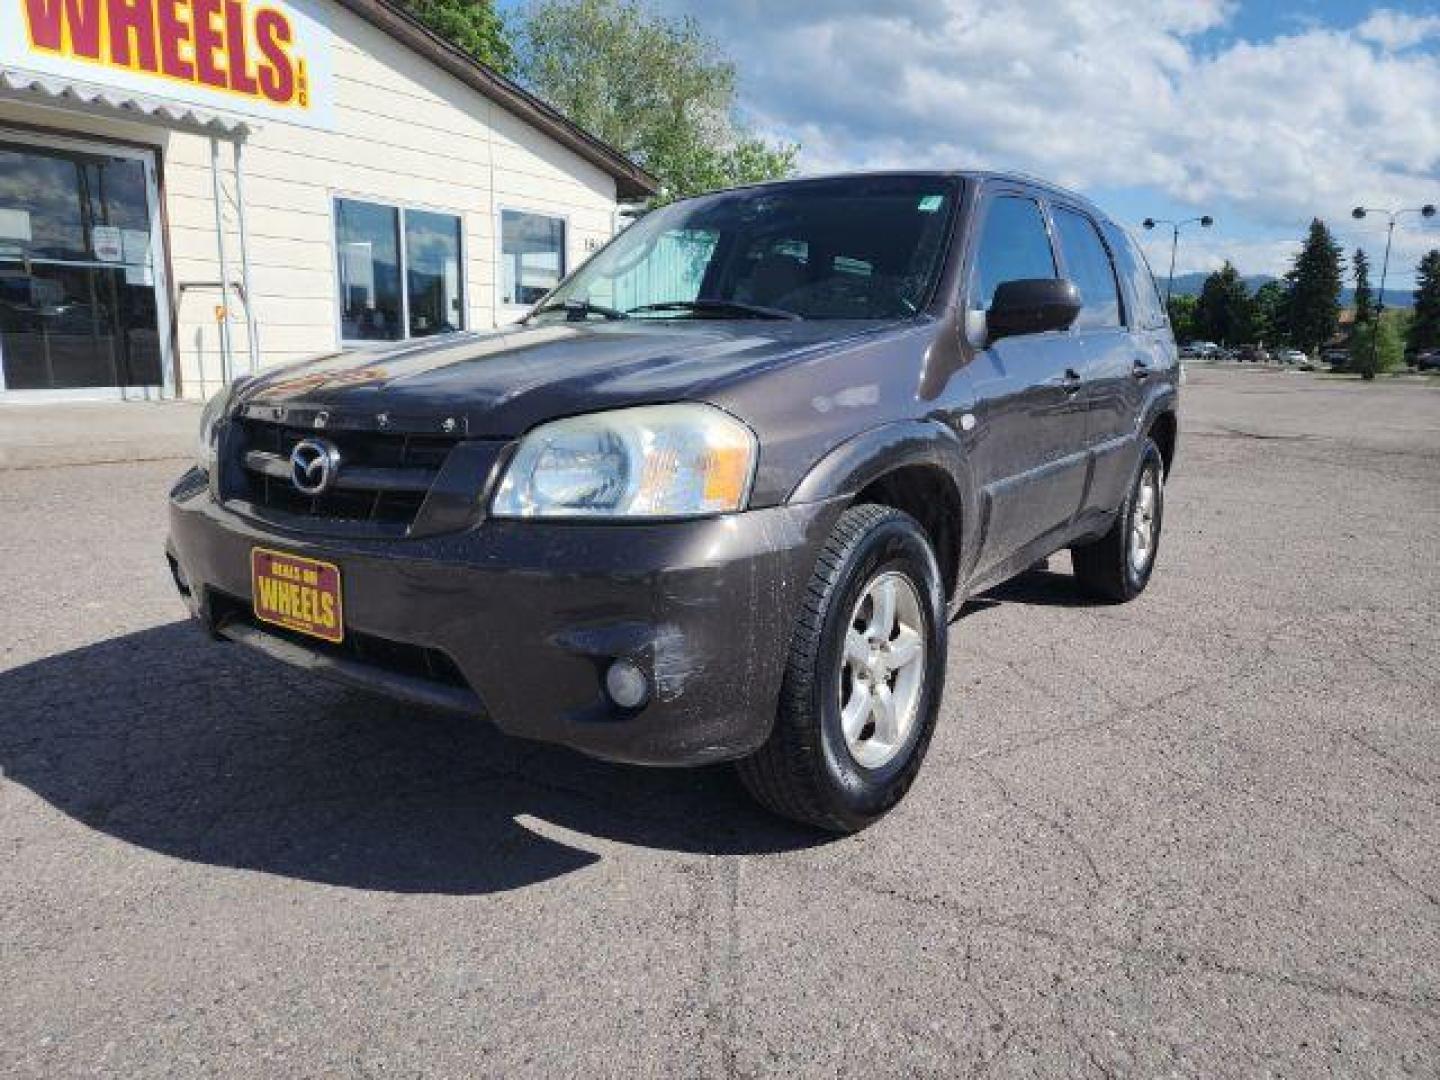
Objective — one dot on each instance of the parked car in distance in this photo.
(721, 492)
(1253, 354)
(1427, 360)
(1291, 356)
(1199, 350)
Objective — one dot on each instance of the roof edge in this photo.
(631, 181)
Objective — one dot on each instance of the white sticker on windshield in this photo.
(930, 203)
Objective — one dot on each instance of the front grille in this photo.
(396, 657)
(383, 478)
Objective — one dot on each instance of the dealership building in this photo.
(191, 190)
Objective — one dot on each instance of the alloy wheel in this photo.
(1144, 520)
(882, 670)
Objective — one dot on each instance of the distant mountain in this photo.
(1394, 298)
(1191, 284)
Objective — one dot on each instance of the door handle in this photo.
(1141, 370)
(1070, 382)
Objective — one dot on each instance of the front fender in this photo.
(864, 458)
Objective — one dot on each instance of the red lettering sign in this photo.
(272, 34)
(209, 44)
(241, 81)
(46, 24)
(132, 34)
(217, 44)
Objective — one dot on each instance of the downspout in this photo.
(227, 362)
(252, 331)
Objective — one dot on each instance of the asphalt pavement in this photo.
(1197, 835)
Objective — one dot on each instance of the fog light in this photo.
(626, 684)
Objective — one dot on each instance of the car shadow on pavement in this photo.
(205, 752)
(1043, 588)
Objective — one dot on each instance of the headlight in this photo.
(207, 437)
(683, 460)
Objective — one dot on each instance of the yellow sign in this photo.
(248, 57)
(297, 593)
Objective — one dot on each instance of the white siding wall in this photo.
(405, 133)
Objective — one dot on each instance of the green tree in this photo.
(1222, 314)
(1364, 297)
(1182, 317)
(1267, 313)
(473, 26)
(1312, 311)
(658, 89)
(1371, 357)
(1425, 325)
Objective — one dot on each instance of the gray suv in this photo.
(720, 494)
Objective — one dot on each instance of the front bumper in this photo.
(532, 614)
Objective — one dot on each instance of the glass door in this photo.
(82, 303)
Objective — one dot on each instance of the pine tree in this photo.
(1312, 312)
(1222, 314)
(1182, 317)
(1425, 325)
(1267, 313)
(1364, 298)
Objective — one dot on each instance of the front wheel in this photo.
(1118, 566)
(863, 679)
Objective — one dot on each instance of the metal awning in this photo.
(57, 92)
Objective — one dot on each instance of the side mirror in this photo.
(1032, 306)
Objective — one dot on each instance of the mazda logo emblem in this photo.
(313, 465)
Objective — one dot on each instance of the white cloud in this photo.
(1396, 30)
(1100, 94)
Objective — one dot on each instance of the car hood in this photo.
(501, 383)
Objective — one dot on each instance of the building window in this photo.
(399, 272)
(532, 256)
(432, 272)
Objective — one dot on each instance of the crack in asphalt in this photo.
(1154, 959)
(1060, 830)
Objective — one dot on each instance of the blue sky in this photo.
(1263, 113)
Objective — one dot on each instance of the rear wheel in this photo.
(863, 679)
(1118, 565)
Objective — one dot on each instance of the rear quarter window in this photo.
(1130, 261)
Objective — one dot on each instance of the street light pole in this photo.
(1359, 213)
(1205, 222)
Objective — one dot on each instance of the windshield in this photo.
(851, 248)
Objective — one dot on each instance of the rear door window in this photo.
(1014, 246)
(1088, 265)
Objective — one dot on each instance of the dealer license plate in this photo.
(297, 593)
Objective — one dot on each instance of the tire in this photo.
(1114, 567)
(810, 770)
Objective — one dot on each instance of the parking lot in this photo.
(1194, 836)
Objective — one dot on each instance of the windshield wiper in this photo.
(737, 308)
(577, 309)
